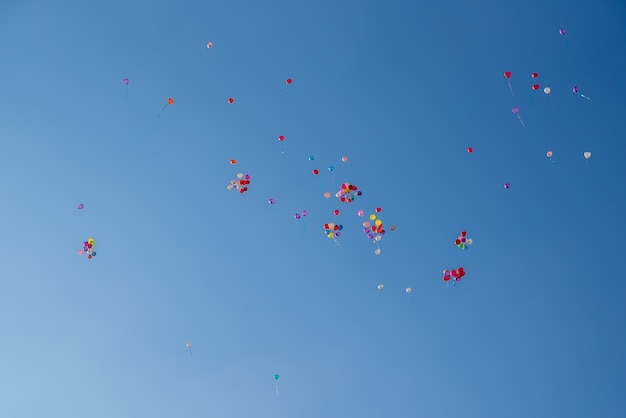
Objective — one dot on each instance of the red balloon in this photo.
(316, 172)
(534, 75)
(470, 150)
(336, 212)
(463, 233)
(281, 138)
(288, 81)
(457, 242)
(507, 74)
(535, 86)
(231, 100)
(378, 209)
(446, 278)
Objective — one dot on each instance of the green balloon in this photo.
(276, 377)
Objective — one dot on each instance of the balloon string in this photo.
(159, 115)
(520, 120)
(511, 88)
(583, 96)
(276, 389)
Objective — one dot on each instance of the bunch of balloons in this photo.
(348, 192)
(332, 230)
(462, 241)
(241, 183)
(374, 229)
(88, 248)
(455, 274)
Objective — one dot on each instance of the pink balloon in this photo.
(125, 81)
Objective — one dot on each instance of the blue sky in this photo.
(402, 89)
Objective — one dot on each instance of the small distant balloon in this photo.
(534, 75)
(271, 201)
(587, 155)
(316, 171)
(380, 286)
(535, 87)
(276, 377)
(507, 75)
(209, 45)
(170, 101)
(470, 150)
(507, 186)
(562, 31)
(549, 154)
(336, 212)
(311, 157)
(231, 100)
(393, 227)
(344, 159)
(233, 162)
(288, 81)
(188, 345)
(327, 195)
(81, 206)
(547, 90)
(281, 138)
(360, 213)
(408, 290)
(125, 81)
(576, 90)
(377, 252)
(515, 110)
(331, 168)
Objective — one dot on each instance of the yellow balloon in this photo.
(331, 234)
(91, 241)
(372, 217)
(379, 222)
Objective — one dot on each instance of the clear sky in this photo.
(402, 89)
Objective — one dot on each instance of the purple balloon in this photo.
(562, 31)
(125, 81)
(575, 89)
(515, 110)
(305, 213)
(81, 206)
(297, 216)
(507, 186)
(271, 201)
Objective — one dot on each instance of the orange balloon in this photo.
(170, 101)
(233, 162)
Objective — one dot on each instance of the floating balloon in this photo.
(233, 162)
(276, 377)
(374, 230)
(380, 286)
(316, 171)
(549, 154)
(408, 290)
(81, 206)
(271, 201)
(125, 81)
(576, 90)
(344, 159)
(333, 230)
(240, 183)
(393, 227)
(360, 213)
(507, 75)
(209, 45)
(547, 90)
(534, 75)
(453, 274)
(311, 157)
(327, 195)
(507, 186)
(331, 168)
(281, 138)
(188, 345)
(288, 81)
(587, 155)
(336, 212)
(535, 87)
(515, 110)
(470, 150)
(231, 100)
(562, 31)
(170, 101)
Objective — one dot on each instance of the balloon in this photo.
(360, 213)
(576, 90)
(587, 155)
(125, 81)
(378, 210)
(377, 252)
(547, 90)
(507, 186)
(549, 154)
(81, 206)
(233, 162)
(380, 286)
(331, 168)
(515, 110)
(372, 217)
(562, 31)
(305, 212)
(327, 195)
(311, 157)
(276, 377)
(316, 172)
(81, 252)
(393, 227)
(170, 101)
(281, 138)
(336, 212)
(344, 159)
(297, 216)
(535, 87)
(240, 184)
(188, 345)
(209, 45)
(408, 290)
(470, 150)
(507, 75)
(534, 75)
(288, 81)
(271, 201)
(231, 100)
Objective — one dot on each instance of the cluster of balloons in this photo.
(88, 248)
(462, 241)
(455, 274)
(241, 183)
(332, 230)
(348, 192)
(374, 229)
(301, 215)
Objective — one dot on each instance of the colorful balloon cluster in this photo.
(332, 230)
(374, 229)
(241, 183)
(348, 192)
(462, 241)
(88, 248)
(455, 274)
